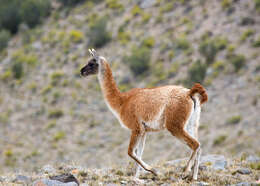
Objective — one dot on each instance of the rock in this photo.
(48, 182)
(176, 162)
(245, 184)
(147, 3)
(49, 169)
(203, 167)
(201, 183)
(22, 179)
(217, 162)
(253, 159)
(65, 178)
(244, 171)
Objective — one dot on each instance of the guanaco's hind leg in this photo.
(194, 145)
(135, 139)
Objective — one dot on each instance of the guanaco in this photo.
(143, 110)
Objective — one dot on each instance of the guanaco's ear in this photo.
(93, 53)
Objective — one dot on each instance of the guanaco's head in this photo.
(92, 66)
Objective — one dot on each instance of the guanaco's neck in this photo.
(110, 91)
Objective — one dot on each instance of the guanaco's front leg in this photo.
(134, 141)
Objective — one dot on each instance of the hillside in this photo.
(51, 115)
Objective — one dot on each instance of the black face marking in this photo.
(91, 68)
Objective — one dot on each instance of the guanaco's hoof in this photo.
(154, 171)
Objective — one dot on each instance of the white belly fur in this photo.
(158, 122)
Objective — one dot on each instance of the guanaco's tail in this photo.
(198, 88)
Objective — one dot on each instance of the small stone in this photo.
(203, 167)
(244, 184)
(123, 182)
(22, 179)
(65, 178)
(48, 182)
(201, 183)
(173, 179)
(244, 171)
(252, 159)
(49, 169)
(218, 162)
(147, 3)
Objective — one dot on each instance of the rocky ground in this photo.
(213, 170)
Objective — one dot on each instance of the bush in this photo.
(234, 119)
(30, 11)
(238, 61)
(225, 4)
(76, 36)
(9, 16)
(247, 34)
(257, 42)
(148, 42)
(139, 60)
(4, 38)
(33, 11)
(257, 5)
(136, 10)
(114, 4)
(209, 50)
(182, 43)
(98, 35)
(197, 72)
(70, 2)
(219, 140)
(59, 135)
(55, 113)
(17, 70)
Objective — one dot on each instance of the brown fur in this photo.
(197, 88)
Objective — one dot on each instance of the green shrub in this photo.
(255, 165)
(56, 77)
(59, 135)
(98, 35)
(29, 59)
(197, 72)
(17, 70)
(234, 119)
(55, 113)
(114, 4)
(257, 42)
(146, 17)
(220, 43)
(257, 5)
(182, 43)
(148, 42)
(124, 37)
(209, 50)
(167, 7)
(247, 34)
(139, 60)
(76, 36)
(226, 3)
(9, 15)
(4, 38)
(33, 11)
(218, 66)
(238, 61)
(219, 140)
(70, 2)
(136, 10)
